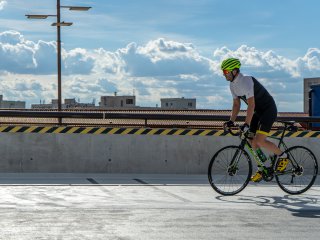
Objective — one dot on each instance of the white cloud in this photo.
(2, 4)
(163, 58)
(78, 61)
(15, 55)
(21, 56)
(11, 37)
(30, 88)
(158, 69)
(310, 62)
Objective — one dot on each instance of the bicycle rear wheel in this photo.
(300, 173)
(230, 170)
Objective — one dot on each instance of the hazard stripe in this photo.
(178, 132)
(106, 130)
(191, 132)
(288, 134)
(185, 132)
(153, 131)
(315, 134)
(165, 132)
(8, 129)
(52, 130)
(32, 129)
(133, 131)
(66, 129)
(126, 131)
(22, 129)
(308, 134)
(212, 133)
(99, 131)
(119, 131)
(141, 131)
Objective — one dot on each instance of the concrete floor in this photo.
(100, 206)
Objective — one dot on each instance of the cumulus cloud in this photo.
(163, 58)
(158, 69)
(26, 87)
(21, 56)
(2, 4)
(11, 37)
(15, 56)
(310, 62)
(77, 61)
(254, 59)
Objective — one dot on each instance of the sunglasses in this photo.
(226, 72)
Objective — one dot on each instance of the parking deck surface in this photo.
(104, 206)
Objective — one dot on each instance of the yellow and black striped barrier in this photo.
(140, 131)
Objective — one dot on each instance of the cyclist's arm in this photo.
(235, 109)
(250, 110)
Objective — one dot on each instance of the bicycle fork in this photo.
(232, 169)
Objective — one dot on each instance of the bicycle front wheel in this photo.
(230, 170)
(300, 173)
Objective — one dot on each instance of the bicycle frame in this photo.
(246, 144)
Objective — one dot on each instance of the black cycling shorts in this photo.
(262, 121)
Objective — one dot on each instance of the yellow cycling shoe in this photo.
(282, 164)
(257, 177)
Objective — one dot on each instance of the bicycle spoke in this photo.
(298, 178)
(226, 179)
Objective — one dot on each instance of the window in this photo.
(129, 101)
(167, 104)
(189, 104)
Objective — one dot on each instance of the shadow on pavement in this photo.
(306, 206)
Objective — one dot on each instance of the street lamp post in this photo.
(58, 24)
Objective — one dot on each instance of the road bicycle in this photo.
(230, 169)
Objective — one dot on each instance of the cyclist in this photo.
(261, 111)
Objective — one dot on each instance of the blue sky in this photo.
(159, 48)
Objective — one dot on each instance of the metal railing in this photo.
(101, 118)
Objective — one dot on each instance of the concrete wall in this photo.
(31, 152)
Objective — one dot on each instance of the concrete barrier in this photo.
(117, 153)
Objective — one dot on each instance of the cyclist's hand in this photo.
(228, 124)
(244, 128)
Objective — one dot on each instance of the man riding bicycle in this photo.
(261, 111)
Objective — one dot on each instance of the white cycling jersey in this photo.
(242, 86)
(245, 87)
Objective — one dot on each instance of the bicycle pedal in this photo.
(257, 177)
(282, 164)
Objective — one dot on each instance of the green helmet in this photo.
(230, 64)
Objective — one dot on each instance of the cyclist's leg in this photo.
(267, 119)
(263, 142)
(283, 158)
(253, 129)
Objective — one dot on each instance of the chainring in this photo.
(268, 176)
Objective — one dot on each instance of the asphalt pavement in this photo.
(125, 207)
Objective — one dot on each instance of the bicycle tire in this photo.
(294, 180)
(219, 177)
